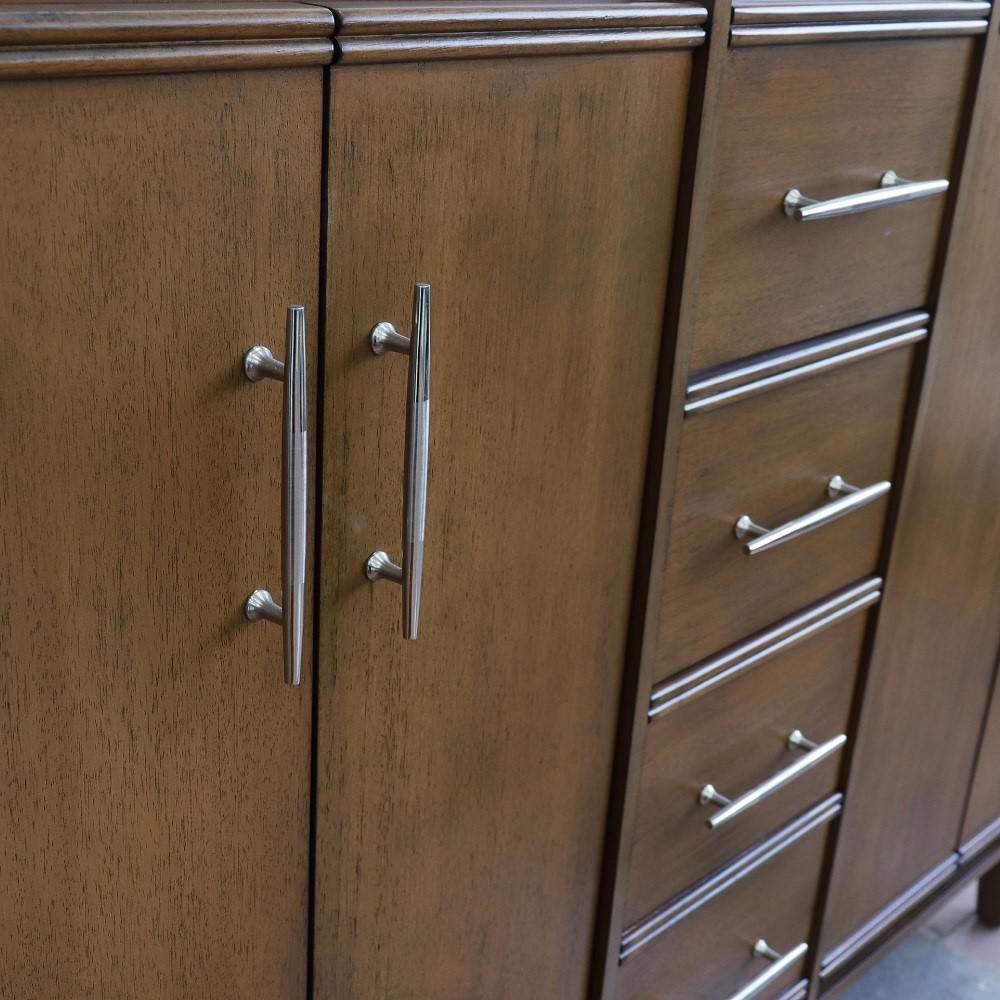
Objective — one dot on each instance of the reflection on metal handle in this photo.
(418, 414)
(258, 364)
(734, 807)
(780, 964)
(892, 190)
(849, 498)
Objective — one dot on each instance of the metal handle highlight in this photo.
(734, 807)
(849, 498)
(892, 190)
(258, 364)
(780, 964)
(416, 457)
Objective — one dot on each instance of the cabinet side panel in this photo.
(939, 626)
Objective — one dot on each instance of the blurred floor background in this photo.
(950, 957)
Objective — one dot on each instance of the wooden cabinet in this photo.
(463, 777)
(154, 805)
(607, 447)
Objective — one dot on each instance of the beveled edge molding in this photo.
(366, 49)
(367, 18)
(651, 927)
(728, 383)
(778, 34)
(888, 916)
(855, 11)
(25, 62)
(117, 22)
(752, 652)
(976, 845)
(370, 32)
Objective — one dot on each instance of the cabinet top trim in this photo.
(770, 22)
(371, 32)
(789, 34)
(110, 23)
(825, 12)
(372, 18)
(114, 39)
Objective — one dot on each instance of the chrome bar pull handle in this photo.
(847, 499)
(259, 363)
(731, 808)
(780, 964)
(892, 190)
(380, 566)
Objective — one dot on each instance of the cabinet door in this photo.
(464, 776)
(939, 626)
(154, 767)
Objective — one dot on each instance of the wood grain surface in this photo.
(771, 456)
(154, 769)
(734, 737)
(705, 951)
(464, 777)
(828, 120)
(939, 627)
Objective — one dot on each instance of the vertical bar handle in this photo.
(258, 364)
(416, 458)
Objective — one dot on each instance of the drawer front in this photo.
(771, 457)
(705, 951)
(829, 120)
(730, 730)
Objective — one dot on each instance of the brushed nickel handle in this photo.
(780, 964)
(848, 498)
(734, 807)
(259, 363)
(416, 458)
(892, 190)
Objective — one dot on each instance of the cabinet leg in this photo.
(988, 904)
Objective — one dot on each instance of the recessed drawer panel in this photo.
(727, 725)
(772, 459)
(828, 120)
(747, 925)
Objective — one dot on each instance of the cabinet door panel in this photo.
(939, 626)
(464, 777)
(155, 768)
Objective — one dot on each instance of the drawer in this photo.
(726, 723)
(771, 456)
(829, 120)
(701, 947)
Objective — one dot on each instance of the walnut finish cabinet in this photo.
(500, 501)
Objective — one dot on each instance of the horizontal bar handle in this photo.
(848, 499)
(892, 190)
(780, 964)
(732, 808)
